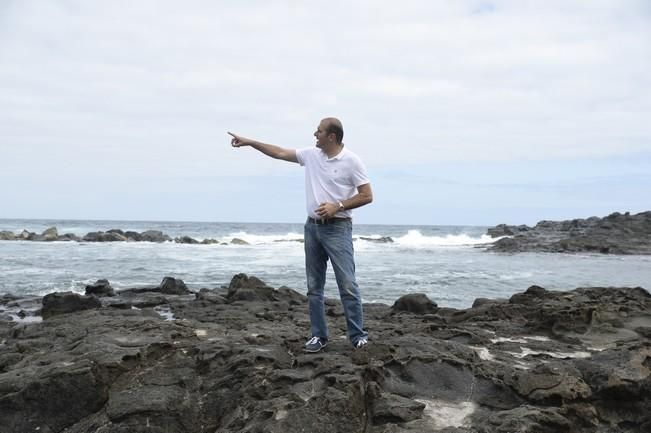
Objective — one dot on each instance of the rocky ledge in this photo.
(166, 359)
(615, 234)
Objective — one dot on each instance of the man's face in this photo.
(321, 135)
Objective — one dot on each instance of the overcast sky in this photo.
(465, 112)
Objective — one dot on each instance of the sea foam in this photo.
(414, 238)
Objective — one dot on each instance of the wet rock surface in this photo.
(231, 360)
(615, 234)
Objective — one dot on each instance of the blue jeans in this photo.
(332, 241)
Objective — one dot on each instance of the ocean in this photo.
(449, 264)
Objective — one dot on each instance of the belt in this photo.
(325, 221)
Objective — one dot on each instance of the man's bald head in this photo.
(334, 126)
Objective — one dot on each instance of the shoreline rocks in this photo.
(230, 359)
(118, 235)
(614, 234)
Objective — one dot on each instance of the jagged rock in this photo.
(209, 241)
(173, 286)
(417, 303)
(506, 230)
(239, 366)
(50, 234)
(245, 288)
(44, 393)
(67, 302)
(614, 234)
(391, 408)
(100, 288)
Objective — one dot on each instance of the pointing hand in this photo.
(239, 141)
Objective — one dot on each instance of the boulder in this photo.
(50, 234)
(100, 288)
(7, 236)
(173, 286)
(185, 240)
(67, 302)
(154, 236)
(245, 288)
(417, 303)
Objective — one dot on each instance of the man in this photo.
(335, 183)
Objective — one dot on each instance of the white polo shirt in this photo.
(330, 180)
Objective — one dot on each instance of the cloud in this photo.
(150, 88)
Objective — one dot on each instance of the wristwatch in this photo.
(341, 206)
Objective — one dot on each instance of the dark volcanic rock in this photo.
(173, 286)
(615, 234)
(100, 288)
(154, 236)
(104, 237)
(185, 240)
(417, 303)
(542, 362)
(133, 236)
(69, 237)
(245, 288)
(380, 240)
(506, 230)
(67, 302)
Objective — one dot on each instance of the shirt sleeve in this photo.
(302, 154)
(358, 173)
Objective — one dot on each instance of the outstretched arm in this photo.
(271, 150)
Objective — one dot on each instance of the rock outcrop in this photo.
(231, 360)
(100, 288)
(615, 234)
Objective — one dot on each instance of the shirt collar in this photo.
(338, 156)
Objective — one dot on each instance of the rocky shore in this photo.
(230, 359)
(114, 235)
(614, 234)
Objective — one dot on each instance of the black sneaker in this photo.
(315, 344)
